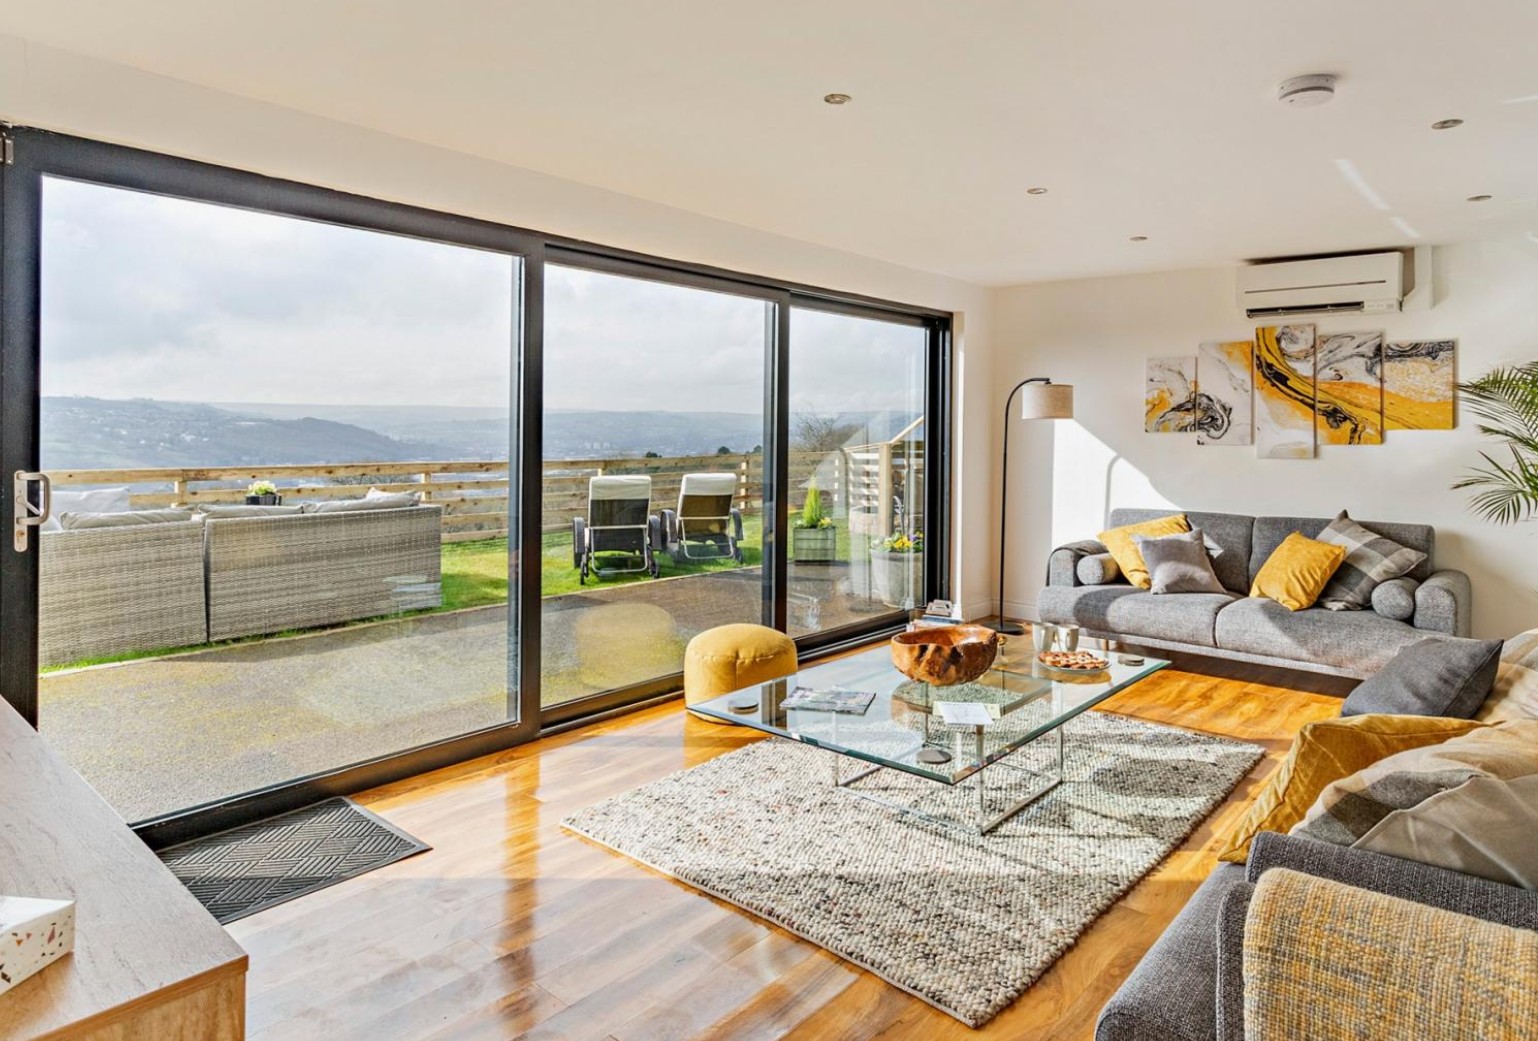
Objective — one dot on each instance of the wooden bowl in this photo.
(945, 656)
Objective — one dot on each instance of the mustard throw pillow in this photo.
(1323, 753)
(1297, 572)
(1123, 548)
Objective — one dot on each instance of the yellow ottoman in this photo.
(731, 657)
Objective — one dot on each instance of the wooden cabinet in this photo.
(149, 962)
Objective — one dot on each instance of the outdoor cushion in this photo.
(1360, 641)
(380, 501)
(1187, 618)
(97, 500)
(1296, 573)
(1227, 536)
(1468, 804)
(1431, 677)
(128, 519)
(1516, 681)
(1119, 543)
(1370, 559)
(1178, 563)
(1395, 598)
(228, 512)
(1323, 752)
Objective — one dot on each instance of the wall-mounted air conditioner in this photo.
(1370, 283)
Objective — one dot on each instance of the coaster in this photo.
(933, 755)
(743, 703)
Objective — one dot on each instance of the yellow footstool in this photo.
(731, 657)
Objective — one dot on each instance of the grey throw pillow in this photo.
(1431, 677)
(1370, 559)
(127, 519)
(233, 512)
(1178, 563)
(375, 501)
(1097, 569)
(1396, 599)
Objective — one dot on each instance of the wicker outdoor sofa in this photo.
(113, 590)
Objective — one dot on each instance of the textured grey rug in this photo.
(966, 923)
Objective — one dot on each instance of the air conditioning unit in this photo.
(1370, 283)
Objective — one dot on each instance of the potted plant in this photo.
(263, 493)
(813, 538)
(897, 569)
(1506, 401)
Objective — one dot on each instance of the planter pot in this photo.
(897, 579)
(814, 545)
(264, 500)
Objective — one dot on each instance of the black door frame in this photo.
(38, 153)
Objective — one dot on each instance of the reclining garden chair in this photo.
(706, 526)
(618, 523)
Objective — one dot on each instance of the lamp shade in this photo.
(1046, 401)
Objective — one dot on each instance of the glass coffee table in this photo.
(903, 728)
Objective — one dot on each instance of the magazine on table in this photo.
(831, 699)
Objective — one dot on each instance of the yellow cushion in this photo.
(1296, 572)
(1123, 548)
(731, 657)
(1323, 753)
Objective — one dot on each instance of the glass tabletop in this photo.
(1023, 699)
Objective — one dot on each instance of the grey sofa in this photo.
(1190, 986)
(1354, 644)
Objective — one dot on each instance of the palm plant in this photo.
(1506, 401)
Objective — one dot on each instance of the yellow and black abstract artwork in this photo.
(1170, 404)
(1419, 384)
(1349, 389)
(1284, 391)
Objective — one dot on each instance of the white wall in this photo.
(45, 87)
(1097, 333)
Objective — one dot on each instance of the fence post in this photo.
(884, 489)
(179, 489)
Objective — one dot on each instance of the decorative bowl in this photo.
(947, 655)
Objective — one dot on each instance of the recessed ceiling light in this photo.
(1138, 238)
(1035, 191)
(1446, 124)
(837, 99)
(1479, 198)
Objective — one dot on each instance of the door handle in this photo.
(27, 515)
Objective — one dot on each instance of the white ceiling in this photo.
(1142, 118)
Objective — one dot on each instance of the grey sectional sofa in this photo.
(1190, 985)
(1082, 588)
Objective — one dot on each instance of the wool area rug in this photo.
(962, 921)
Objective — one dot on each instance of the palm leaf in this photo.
(1505, 399)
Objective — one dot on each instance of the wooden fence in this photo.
(474, 493)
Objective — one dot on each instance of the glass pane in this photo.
(279, 452)
(654, 431)
(856, 469)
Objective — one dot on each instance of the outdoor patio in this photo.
(159, 734)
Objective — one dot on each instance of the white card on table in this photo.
(964, 713)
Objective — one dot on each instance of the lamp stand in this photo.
(1002, 626)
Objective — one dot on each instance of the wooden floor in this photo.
(512, 928)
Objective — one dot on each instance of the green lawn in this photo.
(475, 575)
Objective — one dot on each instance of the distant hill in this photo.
(101, 434)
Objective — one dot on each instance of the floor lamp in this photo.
(1043, 399)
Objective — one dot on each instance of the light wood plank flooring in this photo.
(512, 928)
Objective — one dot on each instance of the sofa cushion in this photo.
(1298, 571)
(1395, 598)
(1270, 531)
(1097, 569)
(1361, 642)
(1119, 543)
(95, 500)
(1123, 610)
(1370, 559)
(1229, 532)
(1178, 563)
(1515, 695)
(1323, 752)
(1172, 993)
(1469, 804)
(376, 501)
(232, 512)
(1431, 677)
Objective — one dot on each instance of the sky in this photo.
(151, 297)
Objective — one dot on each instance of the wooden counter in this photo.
(149, 961)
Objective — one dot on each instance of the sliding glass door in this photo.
(310, 491)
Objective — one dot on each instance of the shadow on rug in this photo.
(965, 922)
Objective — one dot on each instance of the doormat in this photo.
(251, 868)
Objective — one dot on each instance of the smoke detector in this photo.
(1306, 91)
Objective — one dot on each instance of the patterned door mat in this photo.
(249, 869)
